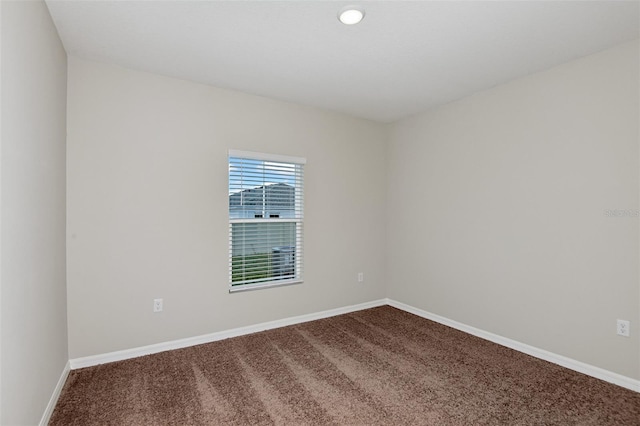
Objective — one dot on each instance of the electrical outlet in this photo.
(360, 277)
(157, 305)
(623, 328)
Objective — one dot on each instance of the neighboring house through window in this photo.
(265, 220)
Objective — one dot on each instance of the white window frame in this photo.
(298, 219)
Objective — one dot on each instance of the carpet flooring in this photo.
(379, 366)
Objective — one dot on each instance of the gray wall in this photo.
(148, 216)
(32, 214)
(497, 208)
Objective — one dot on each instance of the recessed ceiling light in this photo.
(351, 15)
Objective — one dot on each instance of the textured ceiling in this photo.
(403, 58)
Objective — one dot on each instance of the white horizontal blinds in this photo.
(265, 219)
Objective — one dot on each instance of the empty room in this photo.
(319, 212)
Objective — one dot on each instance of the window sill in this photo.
(259, 286)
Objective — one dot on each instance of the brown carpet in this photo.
(377, 366)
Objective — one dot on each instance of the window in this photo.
(265, 220)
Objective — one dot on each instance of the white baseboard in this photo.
(44, 421)
(90, 361)
(572, 364)
(563, 361)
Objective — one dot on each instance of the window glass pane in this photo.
(263, 251)
(263, 189)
